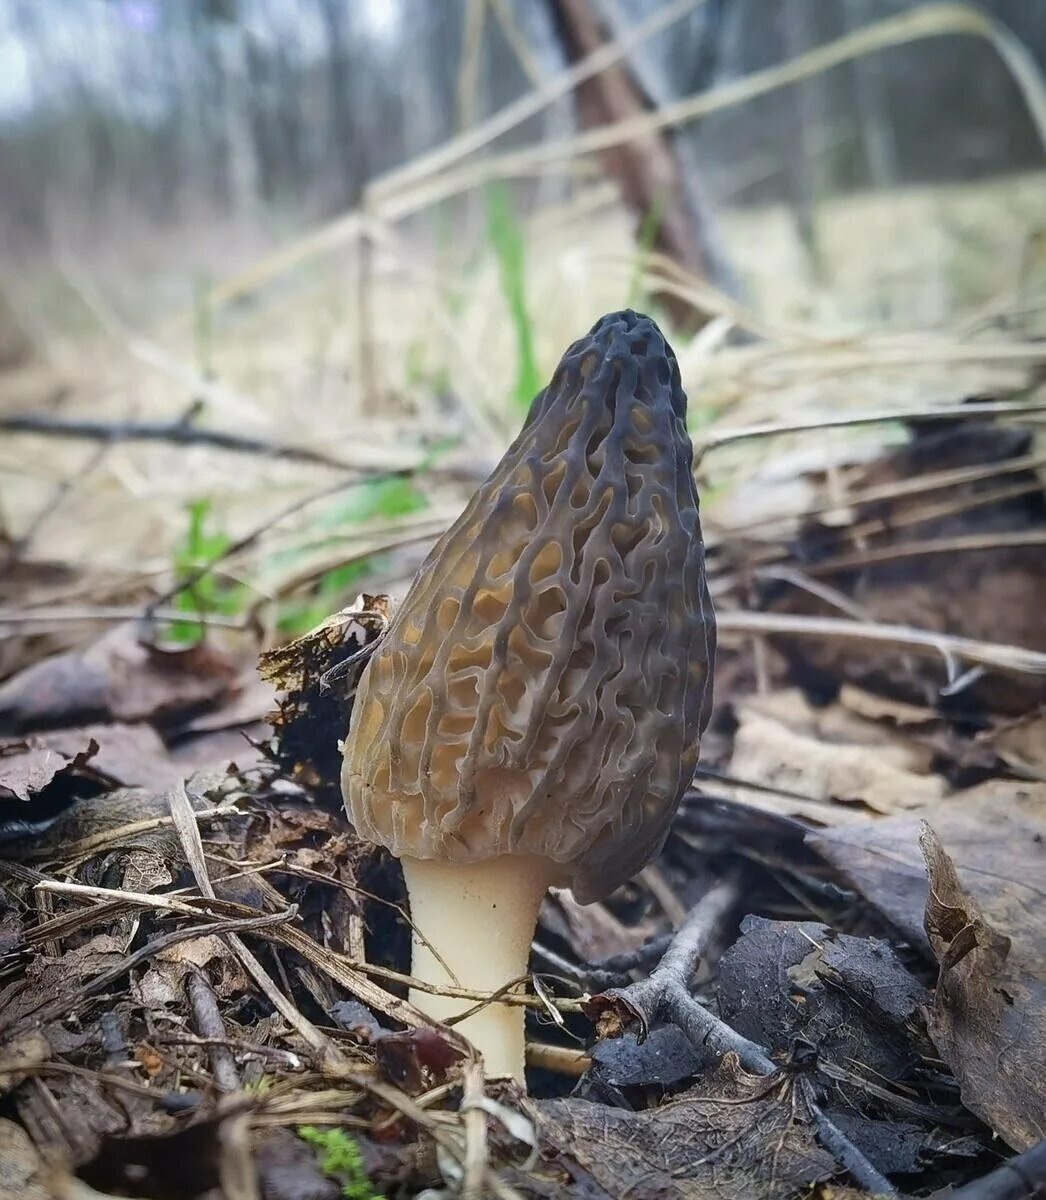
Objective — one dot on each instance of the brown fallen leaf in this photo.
(107, 755)
(20, 1053)
(31, 766)
(988, 1018)
(995, 834)
(828, 756)
(1020, 744)
(117, 678)
(729, 1137)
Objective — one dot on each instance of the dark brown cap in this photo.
(543, 686)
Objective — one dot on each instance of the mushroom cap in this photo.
(543, 687)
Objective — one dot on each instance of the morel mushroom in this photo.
(532, 716)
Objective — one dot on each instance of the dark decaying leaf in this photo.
(989, 1011)
(996, 835)
(848, 997)
(173, 1166)
(899, 1147)
(406, 1057)
(317, 675)
(122, 755)
(730, 1137)
(663, 1058)
(117, 678)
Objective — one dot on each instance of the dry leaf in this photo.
(117, 678)
(829, 756)
(996, 835)
(989, 1013)
(727, 1139)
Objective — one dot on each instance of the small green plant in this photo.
(649, 228)
(211, 593)
(506, 237)
(340, 1157)
(375, 498)
(203, 328)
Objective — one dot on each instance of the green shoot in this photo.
(211, 594)
(340, 1157)
(506, 238)
(374, 498)
(649, 228)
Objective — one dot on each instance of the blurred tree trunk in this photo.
(648, 170)
(241, 162)
(873, 104)
(804, 167)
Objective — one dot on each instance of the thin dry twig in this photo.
(665, 994)
(175, 433)
(969, 543)
(348, 973)
(845, 1153)
(949, 647)
(49, 1010)
(211, 1027)
(926, 412)
(189, 833)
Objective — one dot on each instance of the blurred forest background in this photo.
(364, 232)
(143, 134)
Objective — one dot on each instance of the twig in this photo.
(665, 994)
(105, 615)
(153, 355)
(177, 433)
(476, 1158)
(995, 655)
(434, 164)
(62, 491)
(932, 481)
(930, 20)
(211, 1026)
(1021, 1178)
(350, 974)
(971, 543)
(845, 1153)
(72, 852)
(561, 1060)
(936, 412)
(188, 831)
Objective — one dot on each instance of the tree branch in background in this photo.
(647, 169)
(179, 433)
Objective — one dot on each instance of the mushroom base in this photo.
(480, 919)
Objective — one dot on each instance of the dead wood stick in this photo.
(178, 433)
(210, 1025)
(665, 994)
(938, 412)
(850, 1157)
(1021, 1178)
(927, 644)
(561, 1060)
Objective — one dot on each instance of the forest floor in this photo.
(201, 965)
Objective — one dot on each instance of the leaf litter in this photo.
(830, 983)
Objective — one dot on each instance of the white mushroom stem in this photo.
(479, 918)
